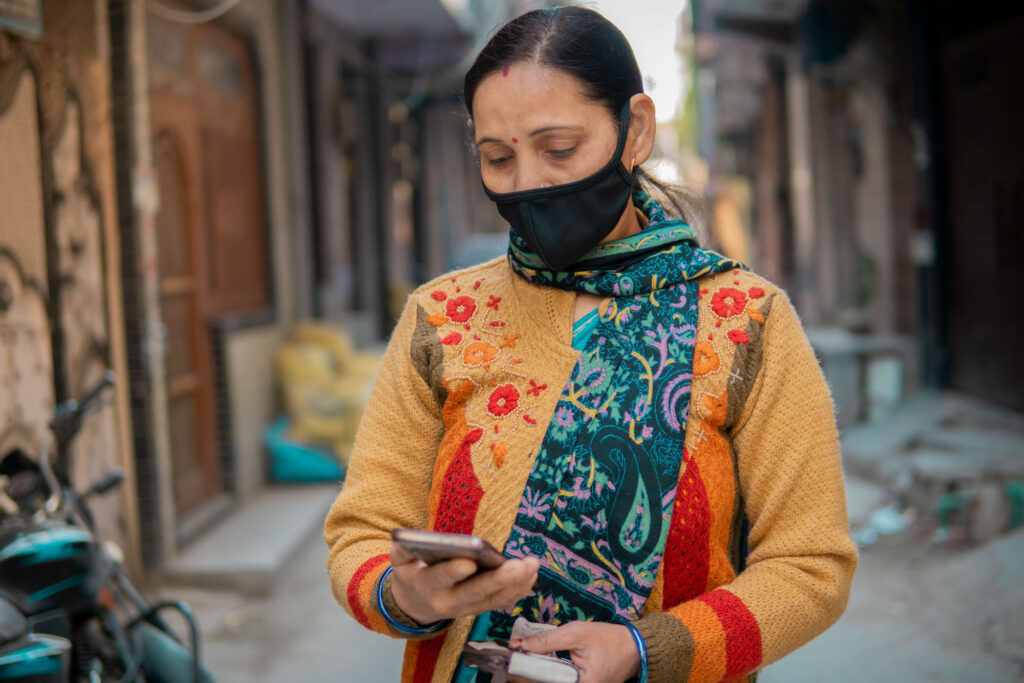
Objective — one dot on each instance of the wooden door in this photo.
(232, 174)
(190, 392)
(212, 235)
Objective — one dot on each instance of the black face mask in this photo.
(562, 223)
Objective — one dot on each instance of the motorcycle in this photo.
(68, 611)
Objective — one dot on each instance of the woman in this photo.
(639, 423)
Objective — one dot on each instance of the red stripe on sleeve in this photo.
(354, 586)
(742, 634)
(428, 652)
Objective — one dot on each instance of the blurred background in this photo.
(227, 203)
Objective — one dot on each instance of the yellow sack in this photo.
(325, 385)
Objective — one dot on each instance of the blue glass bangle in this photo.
(397, 625)
(641, 647)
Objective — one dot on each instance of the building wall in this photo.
(253, 402)
(58, 216)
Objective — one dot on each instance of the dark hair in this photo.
(584, 44)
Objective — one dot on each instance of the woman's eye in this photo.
(498, 161)
(561, 153)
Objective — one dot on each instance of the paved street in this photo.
(923, 615)
(299, 635)
(917, 613)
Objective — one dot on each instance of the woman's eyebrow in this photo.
(548, 129)
(539, 131)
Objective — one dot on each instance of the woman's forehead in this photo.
(526, 95)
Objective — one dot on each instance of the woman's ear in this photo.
(642, 127)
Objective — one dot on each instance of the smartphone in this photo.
(438, 546)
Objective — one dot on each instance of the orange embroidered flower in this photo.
(503, 400)
(738, 337)
(728, 302)
(460, 308)
(755, 314)
(705, 358)
(479, 353)
(437, 320)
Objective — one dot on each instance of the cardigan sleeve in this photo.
(389, 475)
(797, 578)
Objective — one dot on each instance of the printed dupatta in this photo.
(598, 502)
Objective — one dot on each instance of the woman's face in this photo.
(534, 128)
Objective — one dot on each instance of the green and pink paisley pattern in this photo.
(598, 502)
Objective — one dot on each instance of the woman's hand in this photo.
(604, 653)
(445, 591)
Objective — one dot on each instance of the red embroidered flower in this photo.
(756, 292)
(460, 308)
(728, 302)
(438, 295)
(738, 337)
(453, 338)
(503, 400)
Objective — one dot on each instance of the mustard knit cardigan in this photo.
(761, 441)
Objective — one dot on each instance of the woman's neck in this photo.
(628, 225)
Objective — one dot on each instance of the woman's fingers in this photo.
(498, 588)
(567, 637)
(511, 575)
(444, 575)
(450, 589)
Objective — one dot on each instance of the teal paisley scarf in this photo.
(598, 502)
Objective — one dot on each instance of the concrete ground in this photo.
(297, 635)
(918, 613)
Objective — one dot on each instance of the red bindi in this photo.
(515, 140)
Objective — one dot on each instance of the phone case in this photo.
(437, 546)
